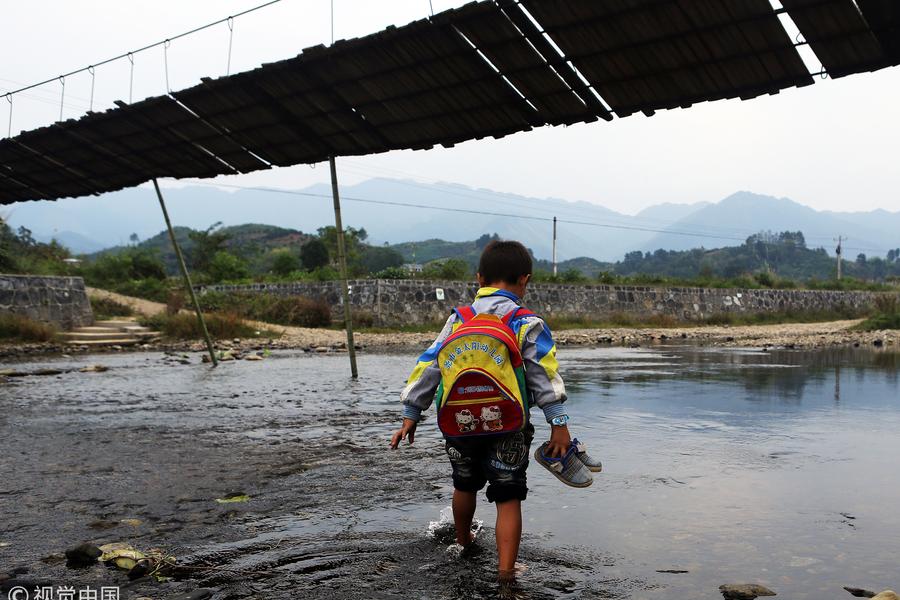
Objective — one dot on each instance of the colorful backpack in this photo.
(482, 389)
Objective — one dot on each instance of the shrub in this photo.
(129, 264)
(392, 273)
(284, 262)
(361, 318)
(607, 278)
(175, 302)
(314, 255)
(22, 329)
(451, 268)
(765, 279)
(225, 266)
(297, 311)
(888, 315)
(103, 308)
(150, 289)
(184, 326)
(573, 276)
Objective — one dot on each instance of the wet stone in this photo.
(82, 555)
(744, 591)
(860, 592)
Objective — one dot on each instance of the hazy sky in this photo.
(832, 146)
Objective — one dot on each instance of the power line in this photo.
(130, 55)
(465, 211)
(487, 213)
(498, 197)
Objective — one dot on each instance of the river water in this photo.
(733, 465)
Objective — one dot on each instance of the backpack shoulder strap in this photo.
(464, 313)
(517, 313)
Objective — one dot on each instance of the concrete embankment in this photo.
(394, 303)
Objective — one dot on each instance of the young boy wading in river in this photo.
(492, 361)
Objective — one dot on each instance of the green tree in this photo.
(25, 237)
(314, 254)
(573, 276)
(206, 244)
(225, 266)
(485, 239)
(452, 268)
(284, 262)
(375, 259)
(353, 244)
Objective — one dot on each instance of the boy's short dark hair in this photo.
(504, 261)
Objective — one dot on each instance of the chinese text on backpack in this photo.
(482, 389)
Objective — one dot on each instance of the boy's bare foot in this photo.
(463, 541)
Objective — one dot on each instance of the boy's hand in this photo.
(407, 429)
(559, 441)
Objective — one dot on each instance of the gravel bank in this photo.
(786, 335)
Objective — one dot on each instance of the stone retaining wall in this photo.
(60, 301)
(412, 302)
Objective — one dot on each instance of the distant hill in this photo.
(585, 228)
(784, 255)
(77, 243)
(436, 249)
(873, 232)
(252, 242)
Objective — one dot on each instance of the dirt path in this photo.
(800, 335)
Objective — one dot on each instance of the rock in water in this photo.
(200, 594)
(744, 591)
(886, 595)
(859, 592)
(83, 555)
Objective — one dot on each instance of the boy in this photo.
(504, 271)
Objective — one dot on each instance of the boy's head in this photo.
(506, 265)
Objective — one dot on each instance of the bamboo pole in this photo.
(342, 261)
(185, 275)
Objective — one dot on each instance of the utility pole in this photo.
(342, 261)
(187, 278)
(554, 246)
(839, 252)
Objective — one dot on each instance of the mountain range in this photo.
(399, 210)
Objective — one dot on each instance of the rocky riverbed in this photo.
(787, 335)
(723, 466)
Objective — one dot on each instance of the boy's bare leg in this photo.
(463, 513)
(509, 534)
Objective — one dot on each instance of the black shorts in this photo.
(500, 460)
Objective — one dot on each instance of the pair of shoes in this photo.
(567, 468)
(574, 467)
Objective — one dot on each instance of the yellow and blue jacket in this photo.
(545, 387)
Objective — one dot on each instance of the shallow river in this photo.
(734, 465)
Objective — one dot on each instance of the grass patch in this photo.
(887, 315)
(106, 308)
(296, 311)
(18, 328)
(777, 318)
(625, 320)
(221, 326)
(421, 328)
(614, 320)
